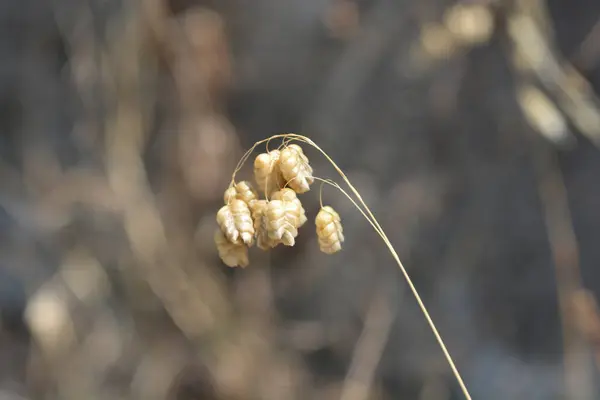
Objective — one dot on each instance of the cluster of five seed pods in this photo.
(245, 219)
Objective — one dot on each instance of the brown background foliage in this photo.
(121, 122)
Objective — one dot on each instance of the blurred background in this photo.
(471, 128)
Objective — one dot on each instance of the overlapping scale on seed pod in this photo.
(232, 254)
(281, 225)
(295, 168)
(263, 241)
(292, 204)
(230, 194)
(267, 172)
(329, 230)
(235, 222)
(241, 190)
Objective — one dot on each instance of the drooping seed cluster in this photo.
(329, 230)
(246, 219)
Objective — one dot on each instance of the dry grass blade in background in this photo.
(565, 253)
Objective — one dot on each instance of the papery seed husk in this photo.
(329, 230)
(246, 192)
(243, 220)
(230, 194)
(232, 255)
(263, 241)
(280, 227)
(227, 224)
(293, 205)
(295, 168)
(267, 172)
(241, 190)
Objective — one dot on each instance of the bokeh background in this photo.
(471, 128)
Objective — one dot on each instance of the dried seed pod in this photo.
(227, 224)
(267, 172)
(329, 230)
(263, 241)
(242, 190)
(233, 255)
(293, 205)
(295, 168)
(280, 224)
(257, 209)
(236, 222)
(230, 194)
(246, 192)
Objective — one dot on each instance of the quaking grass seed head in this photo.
(232, 255)
(235, 222)
(280, 225)
(263, 241)
(285, 194)
(227, 224)
(267, 172)
(292, 204)
(230, 194)
(243, 220)
(241, 190)
(329, 230)
(295, 168)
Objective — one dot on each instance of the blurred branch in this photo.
(536, 54)
(565, 253)
(369, 348)
(588, 54)
(587, 314)
(354, 68)
(125, 141)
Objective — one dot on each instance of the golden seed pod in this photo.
(280, 224)
(257, 208)
(242, 190)
(267, 172)
(293, 205)
(295, 168)
(236, 222)
(329, 230)
(230, 194)
(263, 241)
(233, 255)
(285, 194)
(246, 192)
